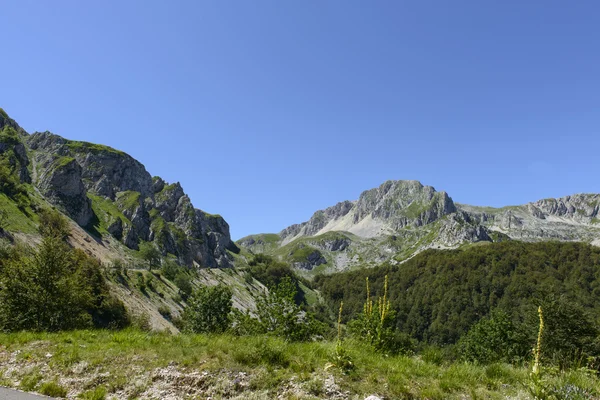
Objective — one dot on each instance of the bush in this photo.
(570, 333)
(54, 288)
(53, 389)
(183, 282)
(271, 273)
(44, 291)
(279, 315)
(165, 312)
(140, 282)
(150, 254)
(494, 339)
(53, 224)
(208, 310)
(376, 326)
(170, 269)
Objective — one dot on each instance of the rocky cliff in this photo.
(111, 195)
(401, 218)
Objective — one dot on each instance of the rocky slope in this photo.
(112, 195)
(114, 206)
(401, 218)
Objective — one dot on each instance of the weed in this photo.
(98, 393)
(53, 389)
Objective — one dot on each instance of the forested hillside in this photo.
(439, 295)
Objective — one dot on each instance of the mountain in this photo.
(402, 218)
(110, 195)
(113, 206)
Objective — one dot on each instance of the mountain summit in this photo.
(401, 218)
(109, 194)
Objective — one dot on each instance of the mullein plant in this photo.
(537, 387)
(340, 358)
(373, 323)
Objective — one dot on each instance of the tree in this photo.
(495, 339)
(570, 332)
(279, 314)
(150, 254)
(170, 269)
(54, 225)
(44, 291)
(183, 282)
(208, 310)
(54, 288)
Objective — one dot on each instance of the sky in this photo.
(266, 111)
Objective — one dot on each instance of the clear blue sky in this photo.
(267, 111)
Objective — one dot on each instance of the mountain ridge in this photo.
(407, 217)
(112, 196)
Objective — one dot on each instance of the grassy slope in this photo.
(135, 364)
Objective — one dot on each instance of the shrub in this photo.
(183, 282)
(150, 254)
(494, 339)
(165, 312)
(376, 326)
(208, 310)
(98, 393)
(44, 291)
(170, 269)
(53, 224)
(53, 389)
(140, 282)
(54, 288)
(570, 333)
(278, 314)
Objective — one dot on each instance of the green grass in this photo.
(300, 254)
(62, 161)
(128, 200)
(106, 211)
(53, 389)
(268, 364)
(80, 147)
(17, 220)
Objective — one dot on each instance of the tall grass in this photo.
(271, 363)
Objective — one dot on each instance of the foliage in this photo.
(184, 284)
(439, 295)
(569, 333)
(53, 224)
(53, 389)
(278, 314)
(495, 339)
(271, 273)
(87, 147)
(10, 183)
(150, 254)
(3, 219)
(208, 310)
(9, 135)
(170, 269)
(340, 358)
(55, 287)
(44, 291)
(376, 327)
(268, 364)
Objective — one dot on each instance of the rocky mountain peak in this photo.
(111, 194)
(391, 206)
